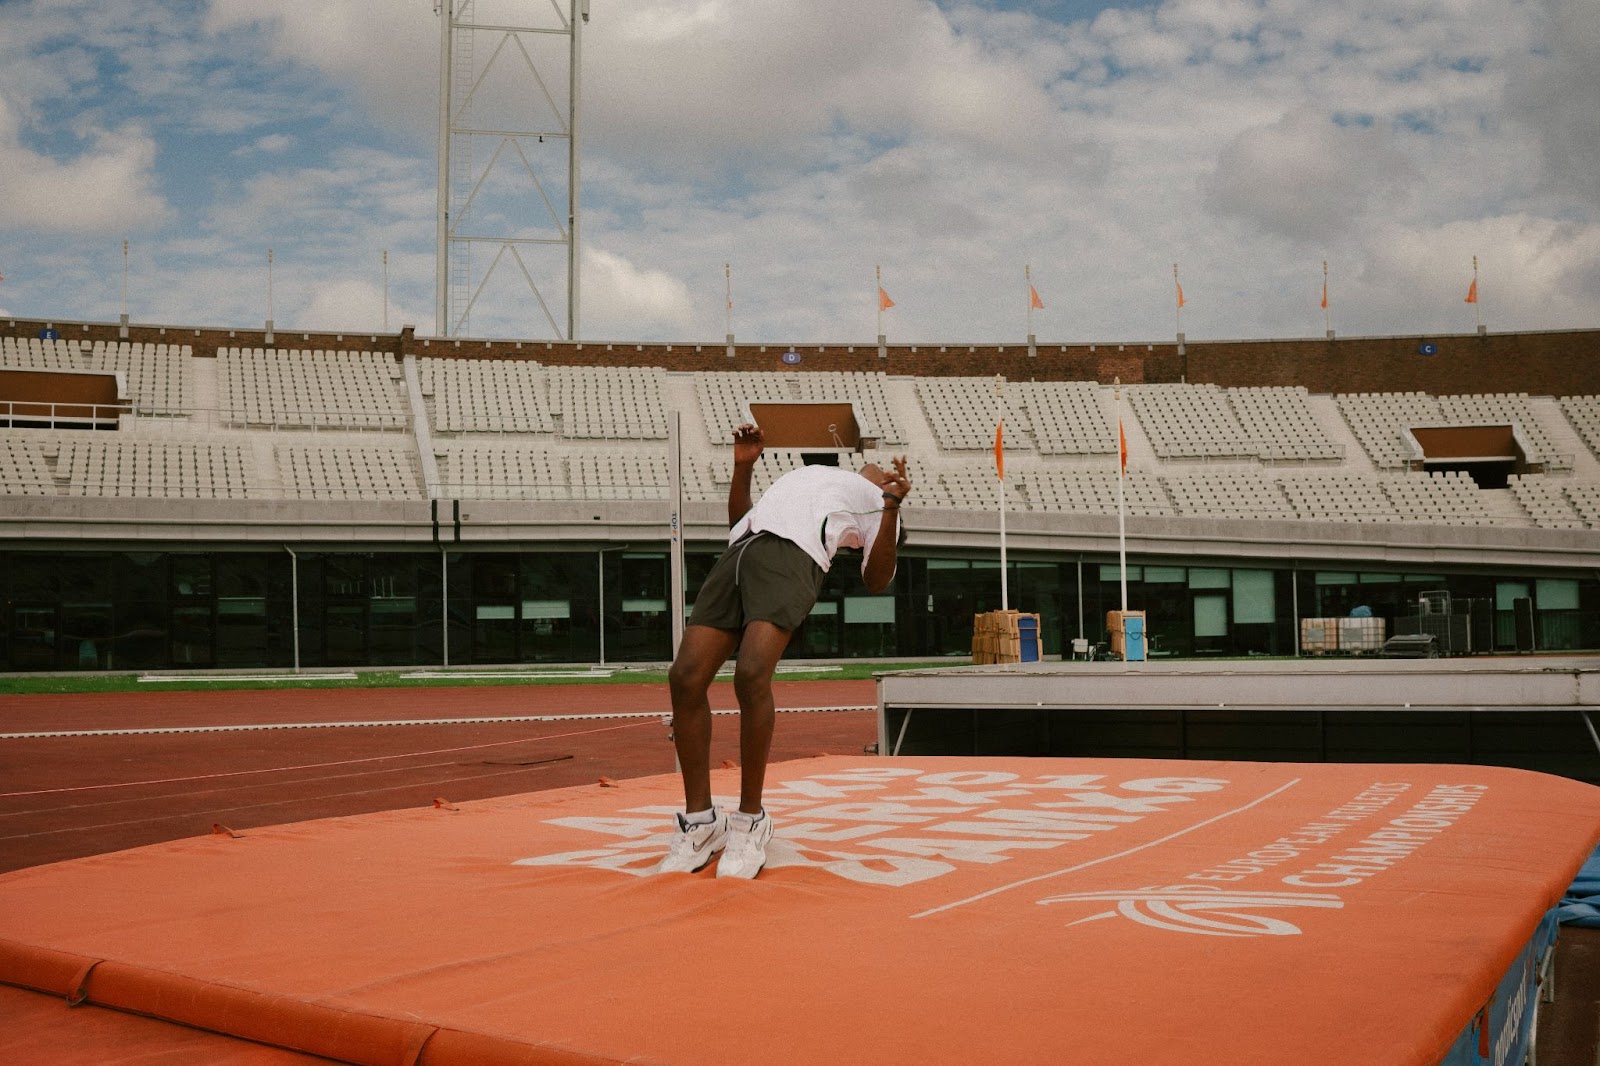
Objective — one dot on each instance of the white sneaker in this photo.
(694, 845)
(746, 851)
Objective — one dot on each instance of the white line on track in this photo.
(165, 730)
(313, 766)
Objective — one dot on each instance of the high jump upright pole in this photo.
(675, 589)
(675, 530)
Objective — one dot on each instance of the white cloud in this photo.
(1552, 92)
(625, 300)
(347, 305)
(107, 186)
(768, 89)
(1306, 177)
(386, 50)
(271, 144)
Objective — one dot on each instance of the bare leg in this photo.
(700, 656)
(759, 652)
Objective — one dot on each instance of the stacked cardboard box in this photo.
(1351, 636)
(1005, 637)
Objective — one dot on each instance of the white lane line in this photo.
(610, 716)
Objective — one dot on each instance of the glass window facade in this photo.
(225, 609)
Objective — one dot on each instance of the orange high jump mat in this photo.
(912, 910)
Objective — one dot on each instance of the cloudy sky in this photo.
(951, 142)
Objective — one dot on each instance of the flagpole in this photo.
(1477, 304)
(1327, 321)
(727, 273)
(1122, 520)
(124, 280)
(386, 290)
(1027, 275)
(878, 299)
(1000, 469)
(1179, 300)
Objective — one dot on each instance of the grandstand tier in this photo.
(541, 450)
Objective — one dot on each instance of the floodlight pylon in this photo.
(506, 101)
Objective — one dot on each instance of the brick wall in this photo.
(1547, 363)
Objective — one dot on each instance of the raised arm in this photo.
(747, 447)
(880, 565)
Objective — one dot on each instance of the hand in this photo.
(748, 443)
(897, 482)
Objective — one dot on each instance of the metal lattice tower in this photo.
(508, 153)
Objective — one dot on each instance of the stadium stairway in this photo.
(207, 394)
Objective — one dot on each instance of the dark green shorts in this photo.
(762, 578)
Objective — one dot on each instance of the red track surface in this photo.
(64, 797)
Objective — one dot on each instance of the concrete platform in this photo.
(1524, 712)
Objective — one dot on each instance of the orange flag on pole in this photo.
(1122, 447)
(1000, 449)
(1180, 293)
(1033, 299)
(1324, 294)
(1472, 292)
(884, 303)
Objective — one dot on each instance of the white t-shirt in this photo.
(820, 508)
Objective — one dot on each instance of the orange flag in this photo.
(1180, 294)
(1472, 293)
(884, 303)
(1122, 445)
(999, 449)
(1324, 295)
(1033, 299)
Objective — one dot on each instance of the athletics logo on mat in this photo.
(1202, 909)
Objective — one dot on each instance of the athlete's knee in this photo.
(752, 681)
(687, 679)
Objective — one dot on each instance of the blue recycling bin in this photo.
(1133, 638)
(1028, 638)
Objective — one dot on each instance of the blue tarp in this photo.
(1582, 903)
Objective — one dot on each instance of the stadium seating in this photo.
(311, 424)
(31, 353)
(1080, 491)
(1512, 409)
(347, 471)
(1229, 495)
(960, 411)
(1189, 422)
(1280, 422)
(1585, 499)
(1545, 502)
(1379, 419)
(104, 464)
(499, 472)
(1584, 414)
(609, 402)
(1338, 497)
(23, 470)
(1439, 499)
(1071, 417)
(291, 387)
(486, 396)
(724, 399)
(158, 376)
